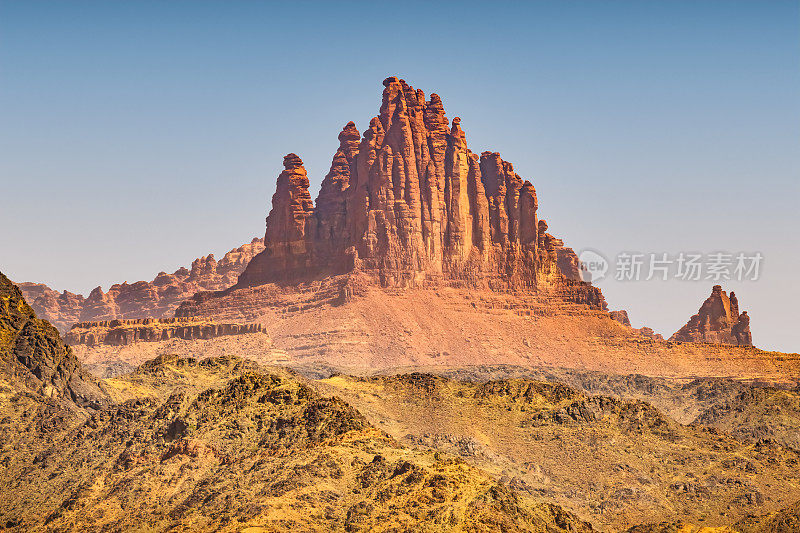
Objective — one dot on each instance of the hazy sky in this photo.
(136, 136)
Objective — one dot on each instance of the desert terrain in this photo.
(413, 350)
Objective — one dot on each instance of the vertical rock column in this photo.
(289, 238)
(332, 239)
(458, 207)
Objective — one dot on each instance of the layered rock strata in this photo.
(410, 205)
(718, 321)
(125, 332)
(157, 298)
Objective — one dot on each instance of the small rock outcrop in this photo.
(408, 204)
(157, 298)
(718, 322)
(125, 332)
(621, 317)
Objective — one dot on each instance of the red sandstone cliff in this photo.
(157, 298)
(408, 204)
(718, 321)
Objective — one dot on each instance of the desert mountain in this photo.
(409, 205)
(418, 251)
(142, 299)
(217, 445)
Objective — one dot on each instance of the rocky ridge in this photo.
(34, 358)
(350, 323)
(123, 332)
(616, 462)
(158, 298)
(718, 321)
(222, 445)
(408, 204)
(216, 445)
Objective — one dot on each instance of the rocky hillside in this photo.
(142, 299)
(683, 399)
(224, 444)
(216, 445)
(616, 462)
(34, 359)
(783, 521)
(253, 452)
(758, 413)
(349, 323)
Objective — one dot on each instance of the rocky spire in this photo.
(291, 204)
(338, 178)
(718, 321)
(331, 213)
(459, 209)
(288, 241)
(412, 204)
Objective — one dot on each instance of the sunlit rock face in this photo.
(718, 321)
(410, 205)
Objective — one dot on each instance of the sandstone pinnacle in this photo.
(414, 205)
(718, 321)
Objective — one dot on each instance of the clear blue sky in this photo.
(135, 136)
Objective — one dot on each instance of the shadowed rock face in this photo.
(718, 321)
(124, 332)
(409, 204)
(33, 356)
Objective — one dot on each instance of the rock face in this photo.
(718, 321)
(410, 205)
(621, 317)
(33, 356)
(125, 332)
(157, 298)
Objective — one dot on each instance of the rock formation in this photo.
(158, 298)
(718, 321)
(124, 332)
(621, 317)
(409, 205)
(33, 356)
